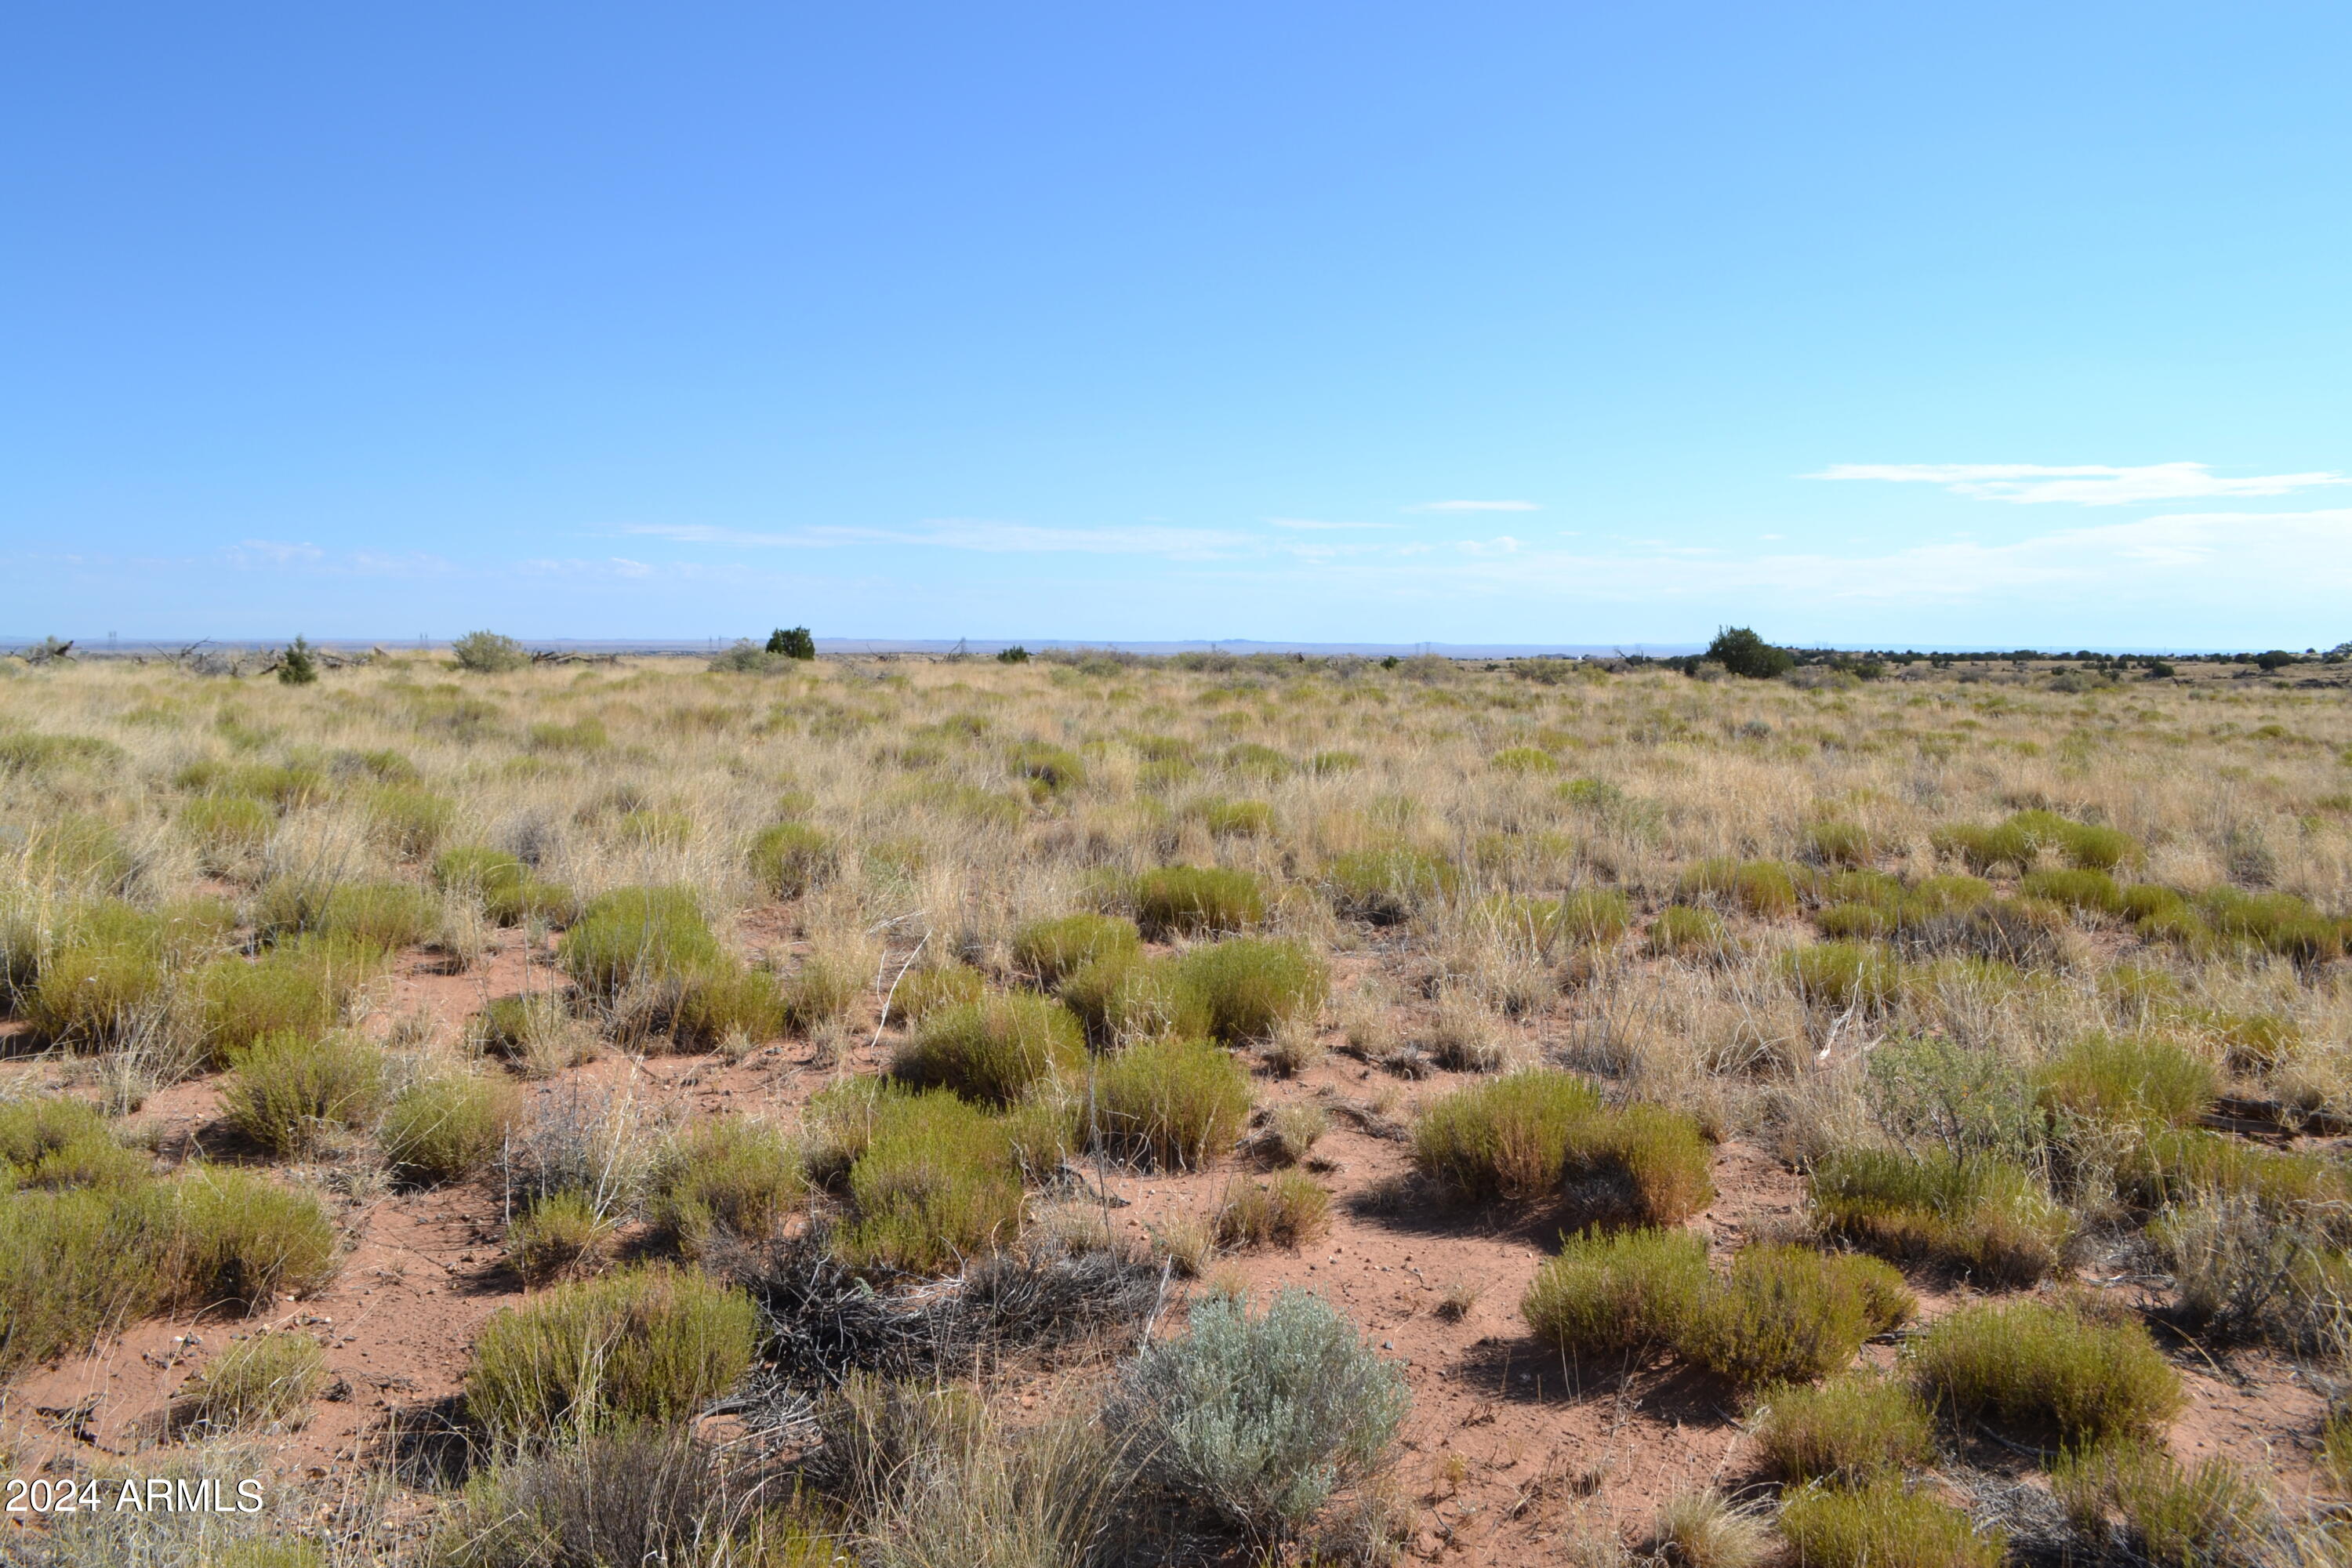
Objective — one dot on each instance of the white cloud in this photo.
(2200, 559)
(1475, 506)
(272, 554)
(993, 538)
(2083, 485)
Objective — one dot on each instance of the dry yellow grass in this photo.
(1479, 855)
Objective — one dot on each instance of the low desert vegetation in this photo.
(1013, 987)
(1261, 1418)
(1853, 1430)
(637, 1346)
(1545, 1134)
(257, 1380)
(2047, 1371)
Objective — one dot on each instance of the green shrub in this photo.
(1759, 886)
(1984, 1214)
(1288, 1210)
(447, 1128)
(1173, 1102)
(633, 934)
(1840, 843)
(2097, 848)
(1049, 769)
(2092, 890)
(1261, 1419)
(1589, 916)
(1056, 949)
(285, 1091)
(525, 1030)
(1250, 989)
(77, 1264)
(226, 823)
(726, 1174)
(2144, 900)
(2277, 922)
(2132, 1078)
(508, 892)
(936, 1182)
(720, 1000)
(995, 1050)
(242, 1240)
(1506, 1138)
(923, 992)
(556, 1236)
(1254, 760)
(1197, 899)
(2039, 1368)
(1523, 759)
(387, 916)
(821, 991)
(56, 1142)
(1883, 1526)
(1237, 818)
(1982, 848)
(409, 822)
(256, 1381)
(1851, 1430)
(489, 653)
(790, 858)
(2173, 1165)
(1616, 1293)
(1129, 997)
(106, 976)
(1643, 1163)
(2214, 1514)
(1844, 975)
(2027, 836)
(1386, 887)
(1683, 931)
(655, 829)
(647, 1345)
(1789, 1314)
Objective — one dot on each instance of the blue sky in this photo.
(1983, 324)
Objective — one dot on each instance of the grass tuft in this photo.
(1789, 1314)
(1175, 1103)
(289, 1091)
(1985, 1214)
(1883, 1526)
(995, 1050)
(1851, 1430)
(447, 1128)
(2045, 1370)
(1616, 1293)
(726, 1174)
(1505, 1139)
(1053, 950)
(1249, 989)
(652, 1345)
(1196, 900)
(256, 1381)
(1288, 1210)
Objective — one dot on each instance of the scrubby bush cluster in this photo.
(1545, 1133)
(2000, 968)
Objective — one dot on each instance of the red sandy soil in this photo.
(1508, 1450)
